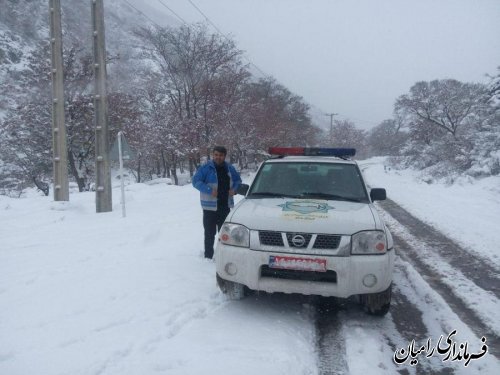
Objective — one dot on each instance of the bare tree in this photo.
(193, 64)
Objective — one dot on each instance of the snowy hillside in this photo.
(24, 24)
(85, 293)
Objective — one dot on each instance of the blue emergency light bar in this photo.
(313, 151)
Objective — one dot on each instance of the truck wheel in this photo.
(233, 290)
(377, 303)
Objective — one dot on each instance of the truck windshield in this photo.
(330, 181)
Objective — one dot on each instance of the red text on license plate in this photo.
(301, 264)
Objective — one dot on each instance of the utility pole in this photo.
(103, 171)
(331, 125)
(59, 147)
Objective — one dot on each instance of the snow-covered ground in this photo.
(86, 293)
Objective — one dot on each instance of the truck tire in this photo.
(377, 303)
(233, 290)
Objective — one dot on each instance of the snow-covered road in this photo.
(82, 293)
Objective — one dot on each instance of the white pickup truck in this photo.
(307, 225)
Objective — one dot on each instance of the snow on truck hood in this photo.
(305, 215)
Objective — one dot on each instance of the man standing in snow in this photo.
(217, 181)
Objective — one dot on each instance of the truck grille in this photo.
(271, 238)
(323, 241)
(326, 241)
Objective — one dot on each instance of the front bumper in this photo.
(350, 272)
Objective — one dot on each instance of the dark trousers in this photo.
(212, 222)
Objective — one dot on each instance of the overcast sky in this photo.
(355, 57)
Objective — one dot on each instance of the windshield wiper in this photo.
(330, 197)
(270, 194)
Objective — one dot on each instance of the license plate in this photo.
(300, 264)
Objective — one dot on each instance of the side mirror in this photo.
(378, 194)
(242, 189)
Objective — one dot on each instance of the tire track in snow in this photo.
(351, 341)
(416, 314)
(484, 274)
(330, 343)
(409, 321)
(435, 261)
(459, 307)
(483, 303)
(439, 318)
(409, 324)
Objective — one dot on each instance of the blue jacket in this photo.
(205, 180)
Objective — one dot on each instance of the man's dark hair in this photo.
(220, 149)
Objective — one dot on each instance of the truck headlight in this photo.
(235, 235)
(369, 242)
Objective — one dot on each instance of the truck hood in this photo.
(305, 215)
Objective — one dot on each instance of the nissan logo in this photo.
(298, 240)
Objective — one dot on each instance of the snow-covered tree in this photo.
(485, 152)
(26, 129)
(444, 119)
(386, 139)
(345, 134)
(442, 104)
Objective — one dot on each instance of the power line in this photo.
(172, 11)
(137, 10)
(225, 36)
(354, 119)
(359, 120)
(186, 23)
(208, 19)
